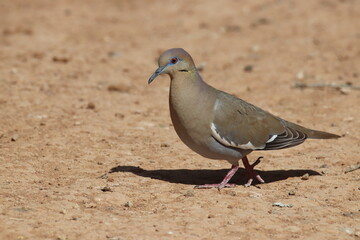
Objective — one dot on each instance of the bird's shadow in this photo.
(205, 176)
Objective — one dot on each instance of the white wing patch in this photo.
(216, 105)
(222, 140)
(272, 138)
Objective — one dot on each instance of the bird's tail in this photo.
(314, 134)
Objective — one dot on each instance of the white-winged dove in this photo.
(217, 125)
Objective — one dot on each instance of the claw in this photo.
(251, 172)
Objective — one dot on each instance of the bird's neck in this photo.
(189, 91)
(187, 85)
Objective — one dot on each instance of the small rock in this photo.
(128, 204)
(291, 193)
(260, 21)
(164, 145)
(347, 230)
(114, 238)
(248, 68)
(106, 189)
(104, 176)
(324, 166)
(14, 137)
(305, 177)
(230, 222)
(90, 105)
(189, 193)
(211, 216)
(255, 195)
(90, 205)
(119, 88)
(279, 204)
(350, 214)
(300, 75)
(230, 28)
(114, 54)
(119, 115)
(230, 192)
(60, 59)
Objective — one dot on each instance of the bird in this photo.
(220, 126)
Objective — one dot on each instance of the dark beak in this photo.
(156, 73)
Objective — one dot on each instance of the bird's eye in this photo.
(174, 60)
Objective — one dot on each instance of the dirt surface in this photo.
(87, 149)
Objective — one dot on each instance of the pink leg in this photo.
(224, 182)
(251, 172)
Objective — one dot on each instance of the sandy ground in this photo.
(87, 148)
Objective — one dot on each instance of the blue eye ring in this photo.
(174, 60)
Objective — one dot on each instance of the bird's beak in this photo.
(156, 73)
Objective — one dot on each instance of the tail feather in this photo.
(314, 134)
(320, 134)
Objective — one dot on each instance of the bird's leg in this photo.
(224, 182)
(250, 171)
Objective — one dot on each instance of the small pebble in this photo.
(349, 214)
(291, 193)
(104, 176)
(211, 216)
(118, 88)
(164, 145)
(60, 59)
(305, 177)
(106, 189)
(119, 115)
(128, 204)
(90, 105)
(14, 137)
(189, 193)
(279, 204)
(114, 238)
(114, 54)
(248, 68)
(231, 28)
(347, 230)
(300, 75)
(230, 222)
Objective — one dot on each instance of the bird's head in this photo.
(174, 61)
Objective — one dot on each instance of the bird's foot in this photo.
(224, 182)
(219, 186)
(251, 172)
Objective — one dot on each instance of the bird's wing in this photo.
(239, 124)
